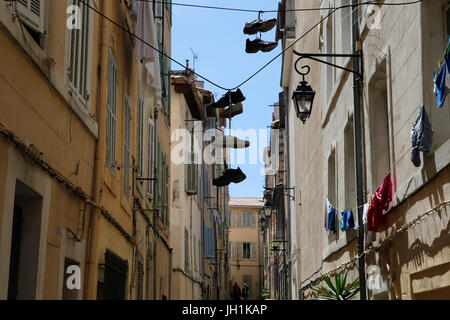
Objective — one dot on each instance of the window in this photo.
(246, 251)
(191, 166)
(247, 220)
(379, 126)
(141, 138)
(346, 14)
(186, 250)
(31, 12)
(329, 46)
(332, 194)
(209, 242)
(126, 147)
(349, 163)
(166, 194)
(116, 270)
(150, 157)
(165, 84)
(158, 10)
(159, 181)
(77, 68)
(195, 257)
(111, 111)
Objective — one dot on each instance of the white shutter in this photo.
(253, 251)
(78, 55)
(31, 13)
(240, 250)
(252, 220)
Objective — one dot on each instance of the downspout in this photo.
(358, 148)
(155, 135)
(170, 272)
(92, 253)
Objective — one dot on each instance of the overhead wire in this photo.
(332, 11)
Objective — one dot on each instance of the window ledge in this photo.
(338, 245)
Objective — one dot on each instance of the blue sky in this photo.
(217, 38)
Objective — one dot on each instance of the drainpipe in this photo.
(155, 135)
(92, 253)
(170, 273)
(358, 148)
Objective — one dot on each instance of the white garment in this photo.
(146, 30)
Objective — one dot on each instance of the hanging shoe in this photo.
(259, 25)
(253, 46)
(231, 142)
(230, 175)
(238, 175)
(232, 111)
(223, 102)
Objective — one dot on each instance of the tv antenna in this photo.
(194, 57)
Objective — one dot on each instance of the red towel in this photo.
(379, 202)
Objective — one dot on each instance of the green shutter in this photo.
(159, 182)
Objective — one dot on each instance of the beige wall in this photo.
(406, 60)
(242, 268)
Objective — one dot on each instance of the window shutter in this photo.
(111, 110)
(241, 220)
(166, 193)
(150, 157)
(253, 251)
(159, 182)
(141, 138)
(31, 13)
(78, 57)
(252, 220)
(126, 149)
(140, 280)
(240, 250)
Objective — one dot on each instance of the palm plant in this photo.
(340, 290)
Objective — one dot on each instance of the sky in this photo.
(217, 38)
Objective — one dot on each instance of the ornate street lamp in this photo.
(303, 98)
(267, 212)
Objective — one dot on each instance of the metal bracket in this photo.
(313, 56)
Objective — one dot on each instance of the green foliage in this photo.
(340, 290)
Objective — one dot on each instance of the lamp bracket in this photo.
(315, 56)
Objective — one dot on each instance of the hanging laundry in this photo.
(379, 202)
(421, 136)
(331, 218)
(349, 220)
(442, 79)
(342, 220)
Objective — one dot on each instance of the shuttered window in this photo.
(209, 242)
(141, 138)
(191, 173)
(77, 67)
(159, 184)
(126, 147)
(116, 270)
(166, 194)
(111, 111)
(151, 157)
(31, 12)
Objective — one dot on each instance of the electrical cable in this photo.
(333, 10)
(274, 11)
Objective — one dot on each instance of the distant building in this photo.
(245, 249)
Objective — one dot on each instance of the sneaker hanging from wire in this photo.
(259, 25)
(253, 46)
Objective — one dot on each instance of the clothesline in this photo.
(393, 234)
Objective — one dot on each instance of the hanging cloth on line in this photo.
(379, 203)
(347, 220)
(421, 137)
(442, 79)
